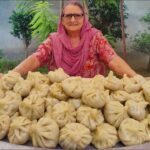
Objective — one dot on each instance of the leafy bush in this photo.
(1, 53)
(6, 64)
(43, 70)
(44, 20)
(20, 24)
(105, 15)
(141, 41)
(111, 39)
(19, 21)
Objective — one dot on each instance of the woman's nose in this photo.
(72, 18)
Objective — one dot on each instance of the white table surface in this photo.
(4, 145)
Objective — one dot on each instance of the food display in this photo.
(55, 109)
(19, 130)
(105, 136)
(44, 133)
(75, 136)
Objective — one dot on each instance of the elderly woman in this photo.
(77, 47)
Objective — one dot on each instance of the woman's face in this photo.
(72, 18)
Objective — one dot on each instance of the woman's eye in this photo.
(76, 16)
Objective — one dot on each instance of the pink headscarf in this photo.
(66, 57)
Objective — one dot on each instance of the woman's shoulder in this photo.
(53, 34)
(97, 36)
(50, 37)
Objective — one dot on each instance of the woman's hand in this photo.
(29, 64)
(118, 65)
(1, 75)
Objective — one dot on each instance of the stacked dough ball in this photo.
(74, 112)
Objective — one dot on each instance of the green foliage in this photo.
(1, 53)
(7, 64)
(111, 39)
(105, 15)
(146, 18)
(20, 20)
(25, 5)
(44, 20)
(43, 70)
(141, 41)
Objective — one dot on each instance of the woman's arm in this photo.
(29, 64)
(110, 58)
(37, 59)
(118, 65)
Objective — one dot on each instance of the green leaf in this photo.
(43, 18)
(35, 18)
